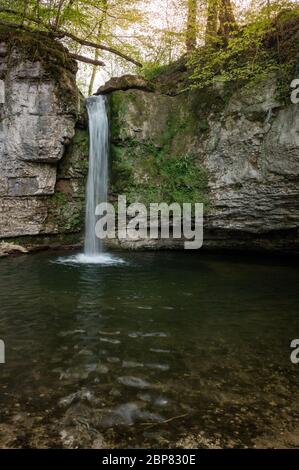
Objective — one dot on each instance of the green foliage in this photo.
(252, 53)
(147, 174)
(98, 21)
(151, 70)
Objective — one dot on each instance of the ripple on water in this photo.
(110, 340)
(163, 367)
(71, 333)
(140, 334)
(157, 350)
(109, 333)
(131, 364)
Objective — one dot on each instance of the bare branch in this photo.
(82, 58)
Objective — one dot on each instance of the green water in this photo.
(166, 349)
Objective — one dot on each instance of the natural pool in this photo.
(165, 349)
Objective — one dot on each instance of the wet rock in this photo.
(99, 443)
(113, 359)
(145, 397)
(123, 415)
(77, 373)
(85, 352)
(115, 393)
(102, 368)
(11, 249)
(81, 395)
(128, 414)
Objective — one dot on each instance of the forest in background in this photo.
(230, 40)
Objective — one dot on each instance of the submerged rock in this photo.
(128, 414)
(135, 382)
(81, 395)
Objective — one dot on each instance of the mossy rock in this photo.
(55, 59)
(65, 213)
(148, 175)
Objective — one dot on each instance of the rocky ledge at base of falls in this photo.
(234, 148)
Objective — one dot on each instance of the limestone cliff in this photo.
(41, 177)
(234, 148)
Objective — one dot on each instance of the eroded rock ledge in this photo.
(126, 82)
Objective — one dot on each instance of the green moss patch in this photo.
(147, 174)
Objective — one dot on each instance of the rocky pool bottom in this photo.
(153, 350)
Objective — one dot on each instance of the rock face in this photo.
(126, 82)
(234, 149)
(244, 141)
(39, 108)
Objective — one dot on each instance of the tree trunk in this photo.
(96, 52)
(191, 31)
(227, 20)
(58, 14)
(212, 21)
(93, 73)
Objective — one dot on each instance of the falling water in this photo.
(97, 182)
(96, 191)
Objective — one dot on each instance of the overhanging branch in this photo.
(84, 42)
(59, 34)
(81, 58)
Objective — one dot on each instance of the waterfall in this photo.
(97, 185)
(96, 190)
